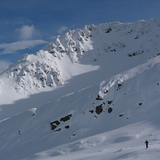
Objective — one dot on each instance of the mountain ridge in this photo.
(103, 103)
(91, 42)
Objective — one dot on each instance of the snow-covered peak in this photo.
(32, 72)
(129, 44)
(111, 37)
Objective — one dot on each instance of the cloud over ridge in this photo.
(27, 32)
(10, 48)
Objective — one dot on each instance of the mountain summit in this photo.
(121, 46)
(89, 94)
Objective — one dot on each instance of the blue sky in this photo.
(27, 25)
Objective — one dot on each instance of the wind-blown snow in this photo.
(97, 96)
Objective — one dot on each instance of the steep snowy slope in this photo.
(111, 119)
(106, 49)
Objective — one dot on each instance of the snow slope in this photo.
(84, 125)
(89, 94)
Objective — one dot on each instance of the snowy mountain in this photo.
(53, 65)
(88, 94)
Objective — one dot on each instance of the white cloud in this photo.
(27, 39)
(62, 29)
(27, 32)
(8, 48)
(4, 65)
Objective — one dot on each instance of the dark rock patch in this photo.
(119, 86)
(67, 127)
(108, 30)
(113, 50)
(54, 124)
(66, 118)
(106, 91)
(99, 98)
(99, 109)
(110, 110)
(91, 111)
(109, 102)
(57, 130)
